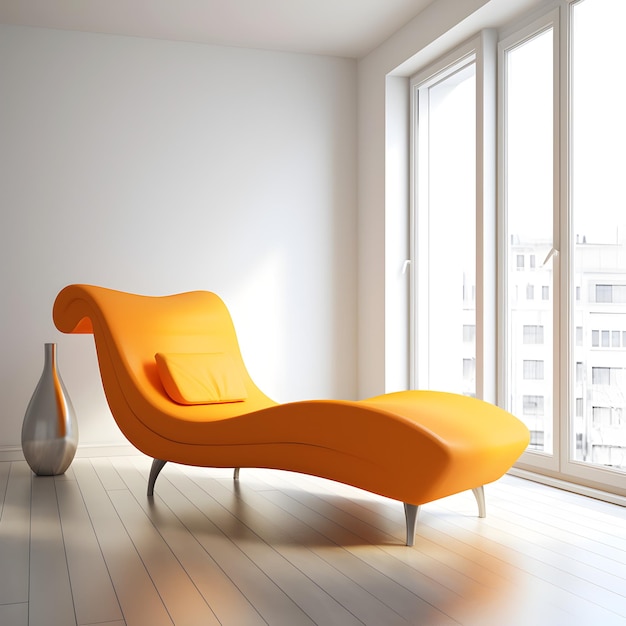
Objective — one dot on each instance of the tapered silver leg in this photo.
(157, 466)
(410, 513)
(479, 494)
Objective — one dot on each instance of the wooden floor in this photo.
(278, 548)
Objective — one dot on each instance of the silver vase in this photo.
(50, 429)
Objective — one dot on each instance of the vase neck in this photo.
(50, 353)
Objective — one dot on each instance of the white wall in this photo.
(157, 167)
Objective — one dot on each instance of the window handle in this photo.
(553, 253)
(405, 266)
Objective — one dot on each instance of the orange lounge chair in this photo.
(178, 388)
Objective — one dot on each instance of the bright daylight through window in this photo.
(599, 232)
(445, 227)
(529, 146)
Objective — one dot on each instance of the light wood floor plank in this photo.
(50, 595)
(182, 599)
(449, 591)
(335, 512)
(15, 535)
(576, 595)
(138, 598)
(95, 600)
(550, 561)
(601, 563)
(305, 546)
(282, 548)
(604, 534)
(227, 540)
(109, 476)
(371, 518)
(14, 614)
(346, 528)
(265, 521)
(5, 469)
(225, 598)
(590, 512)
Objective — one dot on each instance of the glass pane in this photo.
(529, 220)
(452, 233)
(599, 227)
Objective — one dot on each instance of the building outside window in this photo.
(532, 334)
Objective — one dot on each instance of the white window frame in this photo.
(583, 473)
(531, 459)
(482, 50)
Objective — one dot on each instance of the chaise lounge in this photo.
(177, 386)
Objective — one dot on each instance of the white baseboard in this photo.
(582, 490)
(112, 449)
(11, 453)
(85, 451)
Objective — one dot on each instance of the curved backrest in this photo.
(130, 329)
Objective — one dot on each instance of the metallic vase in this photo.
(50, 429)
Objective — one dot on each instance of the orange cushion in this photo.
(202, 378)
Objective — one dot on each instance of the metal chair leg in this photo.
(479, 494)
(157, 466)
(410, 513)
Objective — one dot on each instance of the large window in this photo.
(560, 275)
(598, 217)
(527, 200)
(445, 228)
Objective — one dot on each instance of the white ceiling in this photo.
(348, 28)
